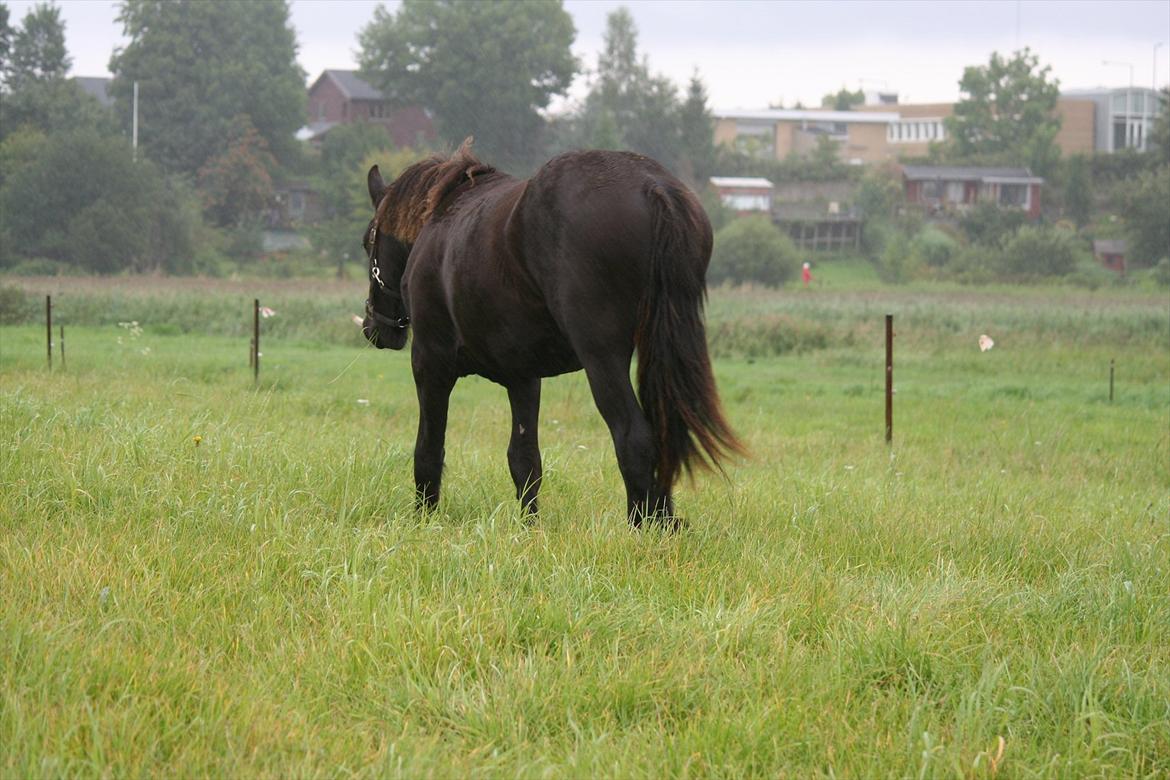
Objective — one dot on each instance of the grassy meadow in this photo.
(200, 576)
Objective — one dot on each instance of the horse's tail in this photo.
(675, 384)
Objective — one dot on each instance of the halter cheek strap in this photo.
(399, 323)
(375, 271)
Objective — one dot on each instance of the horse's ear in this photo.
(376, 185)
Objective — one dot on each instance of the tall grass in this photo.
(987, 598)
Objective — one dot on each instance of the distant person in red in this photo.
(805, 274)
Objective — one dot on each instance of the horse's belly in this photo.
(503, 356)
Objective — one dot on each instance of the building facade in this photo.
(951, 190)
(343, 97)
(1094, 121)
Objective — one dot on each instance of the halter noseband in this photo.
(400, 323)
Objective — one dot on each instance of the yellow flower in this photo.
(196, 438)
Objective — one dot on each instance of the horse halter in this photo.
(400, 323)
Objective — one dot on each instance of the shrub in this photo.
(1162, 272)
(875, 234)
(974, 264)
(752, 249)
(1146, 208)
(899, 263)
(83, 200)
(933, 247)
(989, 225)
(1035, 251)
(13, 305)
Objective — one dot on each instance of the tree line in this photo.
(221, 95)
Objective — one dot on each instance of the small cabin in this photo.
(744, 195)
(1110, 253)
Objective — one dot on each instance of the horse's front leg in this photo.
(434, 394)
(523, 446)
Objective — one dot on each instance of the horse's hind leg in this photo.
(523, 447)
(434, 395)
(633, 439)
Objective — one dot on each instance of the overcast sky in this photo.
(751, 54)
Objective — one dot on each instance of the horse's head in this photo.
(386, 320)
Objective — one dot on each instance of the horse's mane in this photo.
(415, 195)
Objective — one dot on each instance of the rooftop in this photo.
(809, 115)
(741, 181)
(351, 84)
(969, 173)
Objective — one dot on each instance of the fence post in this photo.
(889, 378)
(256, 340)
(62, 340)
(49, 328)
(1110, 380)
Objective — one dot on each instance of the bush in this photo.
(875, 234)
(1092, 275)
(989, 225)
(974, 264)
(13, 305)
(752, 249)
(1038, 252)
(933, 247)
(1162, 272)
(899, 263)
(83, 200)
(1146, 208)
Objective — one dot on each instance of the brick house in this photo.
(342, 97)
(944, 190)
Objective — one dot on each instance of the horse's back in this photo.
(588, 228)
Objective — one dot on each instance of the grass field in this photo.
(990, 597)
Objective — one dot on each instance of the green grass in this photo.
(268, 604)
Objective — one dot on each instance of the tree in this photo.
(236, 185)
(1006, 114)
(1160, 133)
(5, 43)
(843, 100)
(33, 65)
(628, 108)
(340, 179)
(1146, 210)
(78, 197)
(485, 69)
(697, 128)
(752, 249)
(1078, 197)
(200, 66)
(38, 51)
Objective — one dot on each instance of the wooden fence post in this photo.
(49, 328)
(889, 378)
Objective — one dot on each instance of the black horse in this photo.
(598, 254)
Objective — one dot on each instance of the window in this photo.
(1119, 134)
(954, 192)
(1013, 194)
(744, 202)
(931, 190)
(907, 131)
